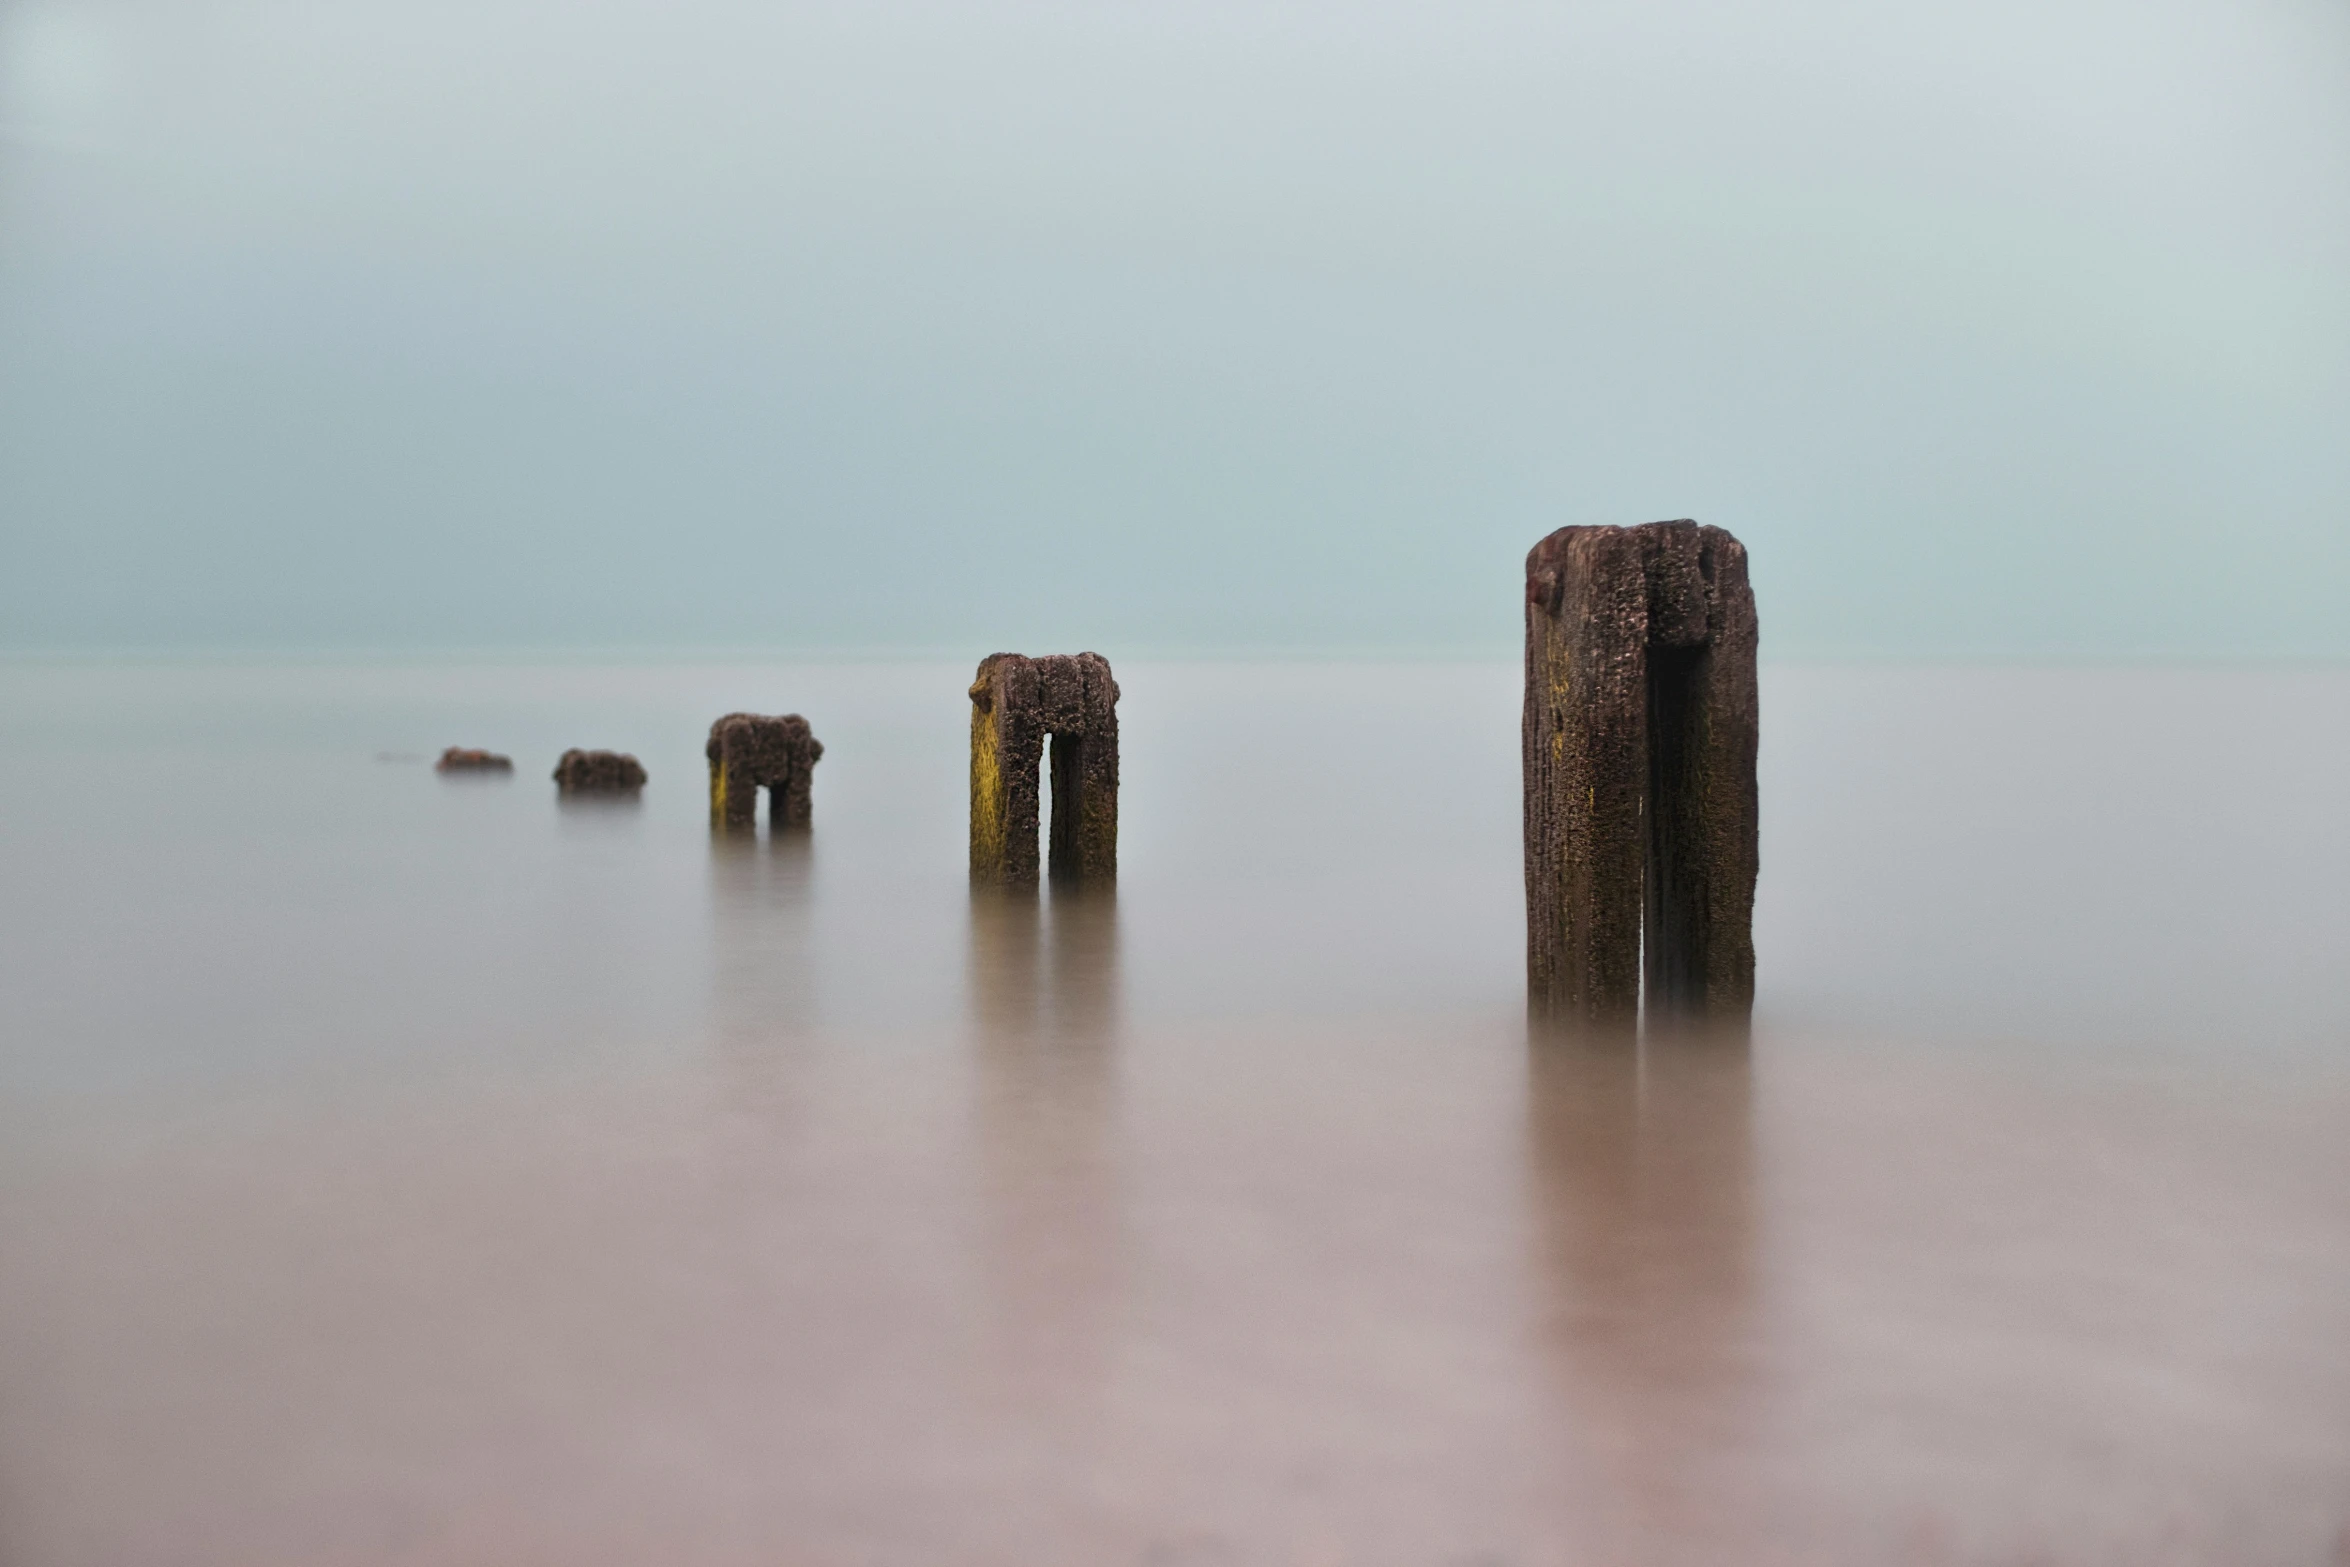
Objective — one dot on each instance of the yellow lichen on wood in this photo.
(988, 826)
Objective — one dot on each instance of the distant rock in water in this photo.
(456, 759)
(599, 772)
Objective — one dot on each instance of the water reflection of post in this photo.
(1641, 1164)
(1043, 998)
(765, 984)
(599, 812)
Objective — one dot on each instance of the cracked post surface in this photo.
(1641, 824)
(748, 752)
(1018, 704)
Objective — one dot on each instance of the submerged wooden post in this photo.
(598, 772)
(1639, 741)
(1016, 705)
(748, 753)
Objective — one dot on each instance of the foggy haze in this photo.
(1994, 329)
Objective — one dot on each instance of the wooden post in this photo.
(598, 772)
(1017, 705)
(748, 753)
(1639, 754)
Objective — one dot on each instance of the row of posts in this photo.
(1639, 741)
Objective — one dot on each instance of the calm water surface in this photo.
(406, 1170)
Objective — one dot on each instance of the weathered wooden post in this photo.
(1639, 737)
(748, 753)
(1016, 705)
(598, 772)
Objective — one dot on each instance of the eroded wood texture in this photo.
(1018, 705)
(1641, 822)
(749, 752)
(598, 772)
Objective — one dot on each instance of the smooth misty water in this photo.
(399, 1169)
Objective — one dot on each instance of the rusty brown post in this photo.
(1642, 840)
(1016, 705)
(747, 753)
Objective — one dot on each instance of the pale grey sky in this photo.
(1997, 328)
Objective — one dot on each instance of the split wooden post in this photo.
(747, 753)
(1642, 840)
(1018, 703)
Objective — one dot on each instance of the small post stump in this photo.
(599, 772)
(748, 753)
(1642, 840)
(1016, 705)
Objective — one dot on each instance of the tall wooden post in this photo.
(1017, 705)
(1639, 751)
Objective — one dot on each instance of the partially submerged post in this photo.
(1639, 736)
(1016, 703)
(748, 753)
(598, 772)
